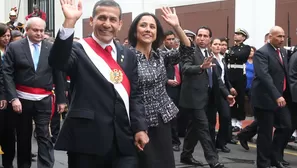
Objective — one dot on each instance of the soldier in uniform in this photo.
(236, 57)
(13, 23)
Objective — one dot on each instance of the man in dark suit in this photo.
(270, 95)
(29, 82)
(173, 86)
(194, 98)
(105, 119)
(293, 85)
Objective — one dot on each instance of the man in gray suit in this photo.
(29, 83)
(194, 97)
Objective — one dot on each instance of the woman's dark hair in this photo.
(132, 36)
(254, 48)
(3, 29)
(212, 40)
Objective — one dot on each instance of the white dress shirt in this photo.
(220, 61)
(203, 51)
(32, 47)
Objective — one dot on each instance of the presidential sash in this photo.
(109, 68)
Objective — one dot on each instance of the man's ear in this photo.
(120, 25)
(91, 21)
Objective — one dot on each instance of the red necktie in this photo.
(108, 49)
(177, 74)
(281, 60)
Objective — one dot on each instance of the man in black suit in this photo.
(173, 86)
(270, 95)
(293, 86)
(194, 98)
(105, 119)
(29, 82)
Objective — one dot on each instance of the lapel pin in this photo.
(122, 59)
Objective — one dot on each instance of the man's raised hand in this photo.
(71, 11)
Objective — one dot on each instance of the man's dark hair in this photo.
(48, 33)
(267, 34)
(168, 33)
(132, 35)
(109, 3)
(206, 28)
(16, 33)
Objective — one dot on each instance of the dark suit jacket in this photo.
(19, 69)
(97, 117)
(194, 89)
(2, 88)
(220, 70)
(216, 87)
(293, 76)
(173, 91)
(268, 83)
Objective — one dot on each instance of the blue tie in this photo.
(36, 54)
(209, 71)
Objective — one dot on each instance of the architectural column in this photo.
(257, 17)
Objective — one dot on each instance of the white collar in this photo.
(103, 45)
(31, 43)
(203, 49)
(274, 47)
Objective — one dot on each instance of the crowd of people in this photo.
(128, 104)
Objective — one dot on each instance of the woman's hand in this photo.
(170, 16)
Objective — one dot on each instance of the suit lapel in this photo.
(285, 59)
(199, 53)
(120, 55)
(27, 51)
(275, 54)
(43, 54)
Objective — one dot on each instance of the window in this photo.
(47, 6)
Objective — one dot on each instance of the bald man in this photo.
(270, 95)
(29, 83)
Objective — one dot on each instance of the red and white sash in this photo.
(30, 93)
(105, 65)
(35, 94)
(68, 79)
